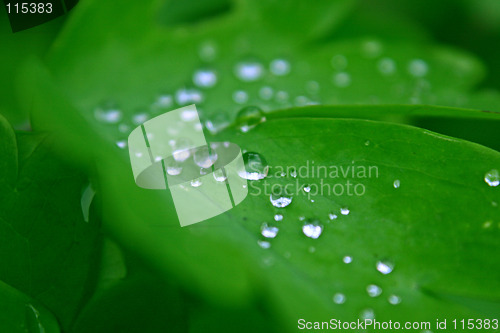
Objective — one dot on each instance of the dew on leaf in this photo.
(139, 118)
(344, 211)
(264, 244)
(249, 117)
(121, 144)
(332, 216)
(173, 167)
(373, 290)
(339, 298)
(181, 149)
(205, 78)
(256, 166)
(278, 217)
(249, 71)
(418, 68)
(385, 267)
(207, 51)
(219, 175)
(312, 229)
(386, 66)
(109, 114)
(279, 67)
(347, 259)
(279, 197)
(492, 178)
(240, 97)
(186, 96)
(342, 79)
(217, 123)
(196, 183)
(394, 299)
(268, 231)
(367, 314)
(204, 157)
(396, 183)
(282, 97)
(266, 93)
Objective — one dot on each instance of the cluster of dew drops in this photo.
(251, 116)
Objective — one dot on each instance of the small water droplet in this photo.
(394, 299)
(293, 173)
(342, 79)
(249, 117)
(373, 290)
(386, 66)
(181, 149)
(204, 157)
(205, 78)
(278, 217)
(196, 183)
(280, 197)
(256, 166)
(372, 48)
(266, 93)
(312, 249)
(301, 100)
(186, 96)
(339, 298)
(264, 244)
(121, 144)
(332, 216)
(339, 62)
(189, 115)
(282, 97)
(174, 167)
(312, 87)
(344, 211)
(108, 113)
(492, 177)
(140, 118)
(418, 67)
(347, 259)
(207, 51)
(367, 142)
(280, 67)
(307, 188)
(367, 314)
(268, 231)
(396, 183)
(163, 101)
(249, 71)
(312, 229)
(240, 97)
(217, 123)
(124, 128)
(385, 267)
(219, 175)
(487, 224)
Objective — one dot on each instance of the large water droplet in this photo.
(385, 267)
(174, 167)
(249, 117)
(256, 166)
(205, 78)
(108, 113)
(268, 231)
(339, 298)
(418, 67)
(492, 177)
(204, 157)
(280, 197)
(373, 290)
(280, 67)
(312, 229)
(249, 70)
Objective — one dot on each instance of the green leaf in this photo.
(46, 247)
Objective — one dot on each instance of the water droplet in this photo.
(342, 79)
(181, 149)
(186, 96)
(312, 249)
(140, 118)
(217, 123)
(121, 144)
(492, 177)
(293, 173)
(312, 229)
(280, 67)
(344, 211)
(163, 101)
(373, 290)
(268, 231)
(367, 314)
(396, 183)
(418, 67)
(207, 51)
(174, 167)
(347, 259)
(372, 48)
(280, 197)
(204, 157)
(386, 66)
(266, 93)
(219, 175)
(249, 71)
(108, 113)
(205, 78)
(240, 97)
(312, 87)
(264, 244)
(196, 183)
(339, 298)
(256, 166)
(332, 216)
(385, 267)
(487, 224)
(282, 97)
(278, 217)
(394, 299)
(249, 117)
(367, 142)
(307, 188)
(301, 100)
(339, 62)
